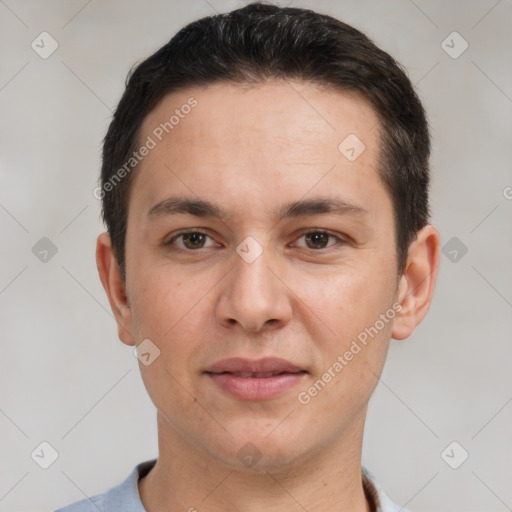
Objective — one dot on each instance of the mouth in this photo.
(256, 375)
(250, 367)
(255, 380)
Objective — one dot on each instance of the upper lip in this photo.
(265, 365)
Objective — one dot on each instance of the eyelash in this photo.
(301, 234)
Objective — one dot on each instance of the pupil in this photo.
(193, 238)
(317, 238)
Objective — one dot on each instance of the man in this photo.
(265, 189)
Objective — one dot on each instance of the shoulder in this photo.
(86, 505)
(121, 498)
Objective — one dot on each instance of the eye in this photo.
(316, 240)
(191, 240)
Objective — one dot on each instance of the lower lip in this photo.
(256, 388)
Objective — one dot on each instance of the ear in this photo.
(115, 288)
(417, 283)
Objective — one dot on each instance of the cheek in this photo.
(161, 297)
(353, 349)
(173, 310)
(345, 302)
(164, 312)
(352, 358)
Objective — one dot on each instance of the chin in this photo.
(261, 449)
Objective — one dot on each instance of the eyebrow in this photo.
(302, 208)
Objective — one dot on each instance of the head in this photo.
(295, 154)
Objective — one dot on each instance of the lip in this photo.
(233, 377)
(264, 365)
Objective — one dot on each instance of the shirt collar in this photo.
(379, 500)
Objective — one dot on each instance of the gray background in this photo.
(68, 380)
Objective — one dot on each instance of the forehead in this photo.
(281, 112)
(227, 141)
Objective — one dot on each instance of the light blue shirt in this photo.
(125, 496)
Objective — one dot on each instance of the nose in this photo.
(254, 295)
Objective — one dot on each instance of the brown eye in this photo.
(317, 240)
(190, 240)
(193, 240)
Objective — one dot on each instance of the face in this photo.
(290, 254)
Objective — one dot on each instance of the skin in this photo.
(250, 150)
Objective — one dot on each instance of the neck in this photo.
(187, 479)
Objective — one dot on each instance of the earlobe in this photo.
(114, 286)
(417, 284)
